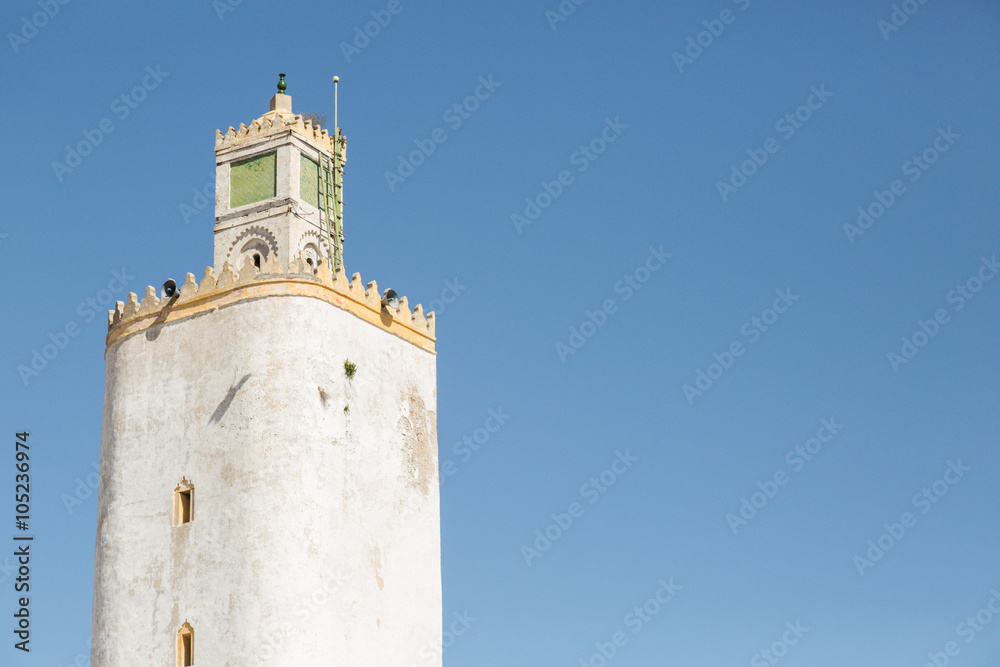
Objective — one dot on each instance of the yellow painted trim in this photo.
(267, 287)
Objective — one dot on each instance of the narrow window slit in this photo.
(183, 503)
(185, 646)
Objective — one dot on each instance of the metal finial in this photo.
(282, 86)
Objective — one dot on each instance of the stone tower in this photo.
(269, 490)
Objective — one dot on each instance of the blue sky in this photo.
(866, 104)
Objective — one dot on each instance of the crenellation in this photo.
(248, 272)
(418, 319)
(272, 265)
(373, 298)
(356, 287)
(208, 282)
(131, 306)
(323, 273)
(403, 312)
(227, 277)
(340, 279)
(354, 295)
(150, 302)
(279, 121)
(189, 289)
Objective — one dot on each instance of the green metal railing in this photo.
(331, 184)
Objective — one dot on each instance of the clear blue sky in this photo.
(679, 128)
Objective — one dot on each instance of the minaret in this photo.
(277, 185)
(269, 486)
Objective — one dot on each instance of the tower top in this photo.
(298, 278)
(280, 118)
(279, 183)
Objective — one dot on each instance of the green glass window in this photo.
(253, 180)
(309, 181)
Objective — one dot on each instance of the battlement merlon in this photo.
(297, 279)
(278, 120)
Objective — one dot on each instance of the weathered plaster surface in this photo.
(316, 528)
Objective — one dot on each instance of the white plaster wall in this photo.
(315, 530)
(222, 183)
(288, 166)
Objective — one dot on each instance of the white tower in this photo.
(269, 490)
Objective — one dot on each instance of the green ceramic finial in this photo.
(281, 84)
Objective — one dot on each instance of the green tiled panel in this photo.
(252, 180)
(309, 181)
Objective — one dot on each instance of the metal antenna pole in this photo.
(338, 184)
